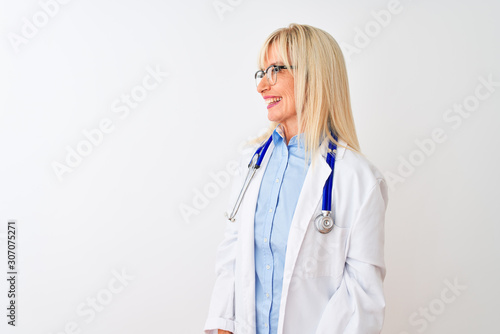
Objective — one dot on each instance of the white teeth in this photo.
(274, 99)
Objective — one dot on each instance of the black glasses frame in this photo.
(276, 69)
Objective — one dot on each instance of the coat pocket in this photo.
(322, 254)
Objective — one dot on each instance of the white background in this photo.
(120, 208)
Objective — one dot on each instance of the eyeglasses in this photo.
(271, 73)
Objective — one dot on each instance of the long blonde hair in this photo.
(322, 98)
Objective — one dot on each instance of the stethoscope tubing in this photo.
(327, 188)
(262, 149)
(326, 206)
(253, 165)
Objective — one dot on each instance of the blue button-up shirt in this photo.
(278, 195)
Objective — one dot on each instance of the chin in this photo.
(273, 118)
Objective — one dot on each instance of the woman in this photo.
(276, 272)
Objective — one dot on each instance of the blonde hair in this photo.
(322, 98)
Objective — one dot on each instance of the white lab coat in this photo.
(333, 283)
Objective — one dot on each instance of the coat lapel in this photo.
(246, 236)
(310, 196)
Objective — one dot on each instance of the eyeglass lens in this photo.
(272, 75)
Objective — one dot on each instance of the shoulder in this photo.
(357, 165)
(239, 166)
(359, 174)
(247, 151)
(245, 154)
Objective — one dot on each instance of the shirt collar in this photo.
(279, 137)
(293, 146)
(278, 134)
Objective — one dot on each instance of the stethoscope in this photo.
(324, 221)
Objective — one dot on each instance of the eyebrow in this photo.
(279, 63)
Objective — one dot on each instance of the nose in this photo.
(263, 85)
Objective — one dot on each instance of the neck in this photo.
(290, 130)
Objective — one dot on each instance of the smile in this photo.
(272, 102)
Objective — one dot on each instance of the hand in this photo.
(221, 331)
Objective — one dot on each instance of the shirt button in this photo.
(270, 210)
(277, 180)
(265, 239)
(267, 295)
(268, 267)
(265, 325)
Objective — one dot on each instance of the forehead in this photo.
(273, 57)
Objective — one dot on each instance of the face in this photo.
(282, 111)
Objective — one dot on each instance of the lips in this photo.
(270, 105)
(272, 100)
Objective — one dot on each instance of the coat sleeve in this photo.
(358, 305)
(221, 309)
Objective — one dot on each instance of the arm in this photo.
(221, 311)
(358, 305)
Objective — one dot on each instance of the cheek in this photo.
(290, 101)
(290, 94)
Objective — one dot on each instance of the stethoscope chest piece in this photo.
(324, 222)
